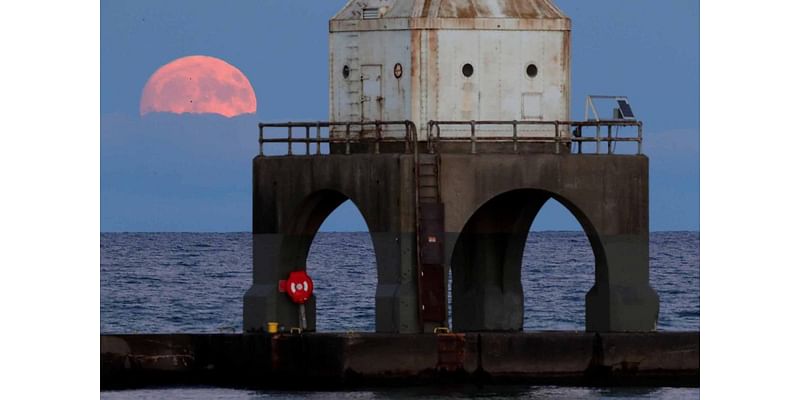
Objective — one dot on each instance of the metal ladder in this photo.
(430, 243)
(428, 178)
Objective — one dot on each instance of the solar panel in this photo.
(625, 109)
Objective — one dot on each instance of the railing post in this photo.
(319, 141)
(347, 139)
(558, 142)
(414, 138)
(597, 138)
(580, 139)
(308, 140)
(290, 138)
(438, 137)
(609, 139)
(407, 148)
(514, 124)
(472, 136)
(639, 146)
(429, 137)
(432, 139)
(377, 137)
(260, 139)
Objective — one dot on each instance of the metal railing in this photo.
(565, 133)
(306, 137)
(558, 139)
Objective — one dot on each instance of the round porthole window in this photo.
(467, 70)
(398, 71)
(532, 71)
(346, 72)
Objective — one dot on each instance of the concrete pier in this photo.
(352, 360)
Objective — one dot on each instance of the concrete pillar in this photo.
(487, 262)
(396, 295)
(622, 299)
(274, 257)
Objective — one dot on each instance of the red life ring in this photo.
(299, 287)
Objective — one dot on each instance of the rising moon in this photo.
(198, 85)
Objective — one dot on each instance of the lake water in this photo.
(194, 283)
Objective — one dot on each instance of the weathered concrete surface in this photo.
(490, 201)
(310, 361)
(552, 354)
(646, 355)
(140, 360)
(292, 196)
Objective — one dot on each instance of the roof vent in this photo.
(371, 13)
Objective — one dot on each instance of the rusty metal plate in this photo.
(432, 248)
(451, 351)
(433, 296)
(431, 233)
(432, 212)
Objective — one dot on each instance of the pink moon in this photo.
(198, 85)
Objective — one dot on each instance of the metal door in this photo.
(371, 93)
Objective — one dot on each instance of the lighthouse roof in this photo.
(463, 9)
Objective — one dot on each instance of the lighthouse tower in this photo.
(449, 130)
(422, 60)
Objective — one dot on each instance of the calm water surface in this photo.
(194, 282)
(505, 392)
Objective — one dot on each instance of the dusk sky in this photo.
(192, 172)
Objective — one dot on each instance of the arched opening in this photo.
(339, 255)
(557, 271)
(487, 261)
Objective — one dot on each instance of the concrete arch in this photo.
(307, 217)
(301, 229)
(493, 201)
(293, 196)
(487, 259)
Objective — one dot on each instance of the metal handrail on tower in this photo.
(408, 138)
(435, 136)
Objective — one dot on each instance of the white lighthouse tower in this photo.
(445, 60)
